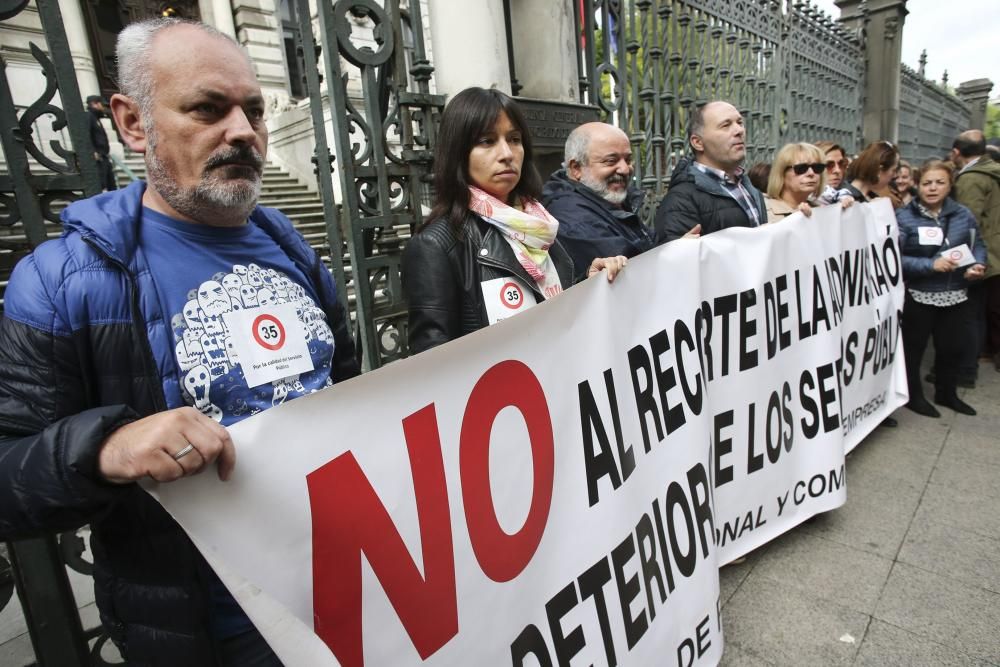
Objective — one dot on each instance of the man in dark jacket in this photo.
(977, 187)
(712, 189)
(593, 198)
(99, 139)
(130, 343)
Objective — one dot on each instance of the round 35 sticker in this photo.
(511, 295)
(955, 255)
(268, 332)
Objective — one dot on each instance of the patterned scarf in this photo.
(530, 233)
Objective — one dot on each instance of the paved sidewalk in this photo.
(907, 572)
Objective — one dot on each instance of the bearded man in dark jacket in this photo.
(711, 190)
(121, 342)
(594, 200)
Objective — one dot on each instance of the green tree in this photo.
(992, 125)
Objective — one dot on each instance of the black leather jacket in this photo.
(696, 198)
(442, 272)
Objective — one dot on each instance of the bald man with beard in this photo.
(594, 200)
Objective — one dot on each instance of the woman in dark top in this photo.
(489, 248)
(870, 175)
(932, 231)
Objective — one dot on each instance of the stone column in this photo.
(222, 11)
(544, 49)
(219, 15)
(469, 56)
(258, 28)
(976, 94)
(882, 22)
(79, 47)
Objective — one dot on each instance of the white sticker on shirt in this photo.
(210, 367)
(930, 235)
(960, 254)
(270, 342)
(506, 297)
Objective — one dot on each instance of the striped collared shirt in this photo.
(734, 186)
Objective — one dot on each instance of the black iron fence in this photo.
(930, 117)
(794, 73)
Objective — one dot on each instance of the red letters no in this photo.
(348, 518)
(508, 384)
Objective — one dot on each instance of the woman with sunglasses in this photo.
(796, 181)
(934, 230)
(836, 168)
(836, 163)
(488, 248)
(870, 175)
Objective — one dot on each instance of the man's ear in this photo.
(574, 170)
(129, 121)
(697, 145)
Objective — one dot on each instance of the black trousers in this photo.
(951, 329)
(968, 368)
(106, 172)
(991, 288)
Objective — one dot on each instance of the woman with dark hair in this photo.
(870, 175)
(942, 252)
(836, 162)
(758, 175)
(488, 249)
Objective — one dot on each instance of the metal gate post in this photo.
(48, 603)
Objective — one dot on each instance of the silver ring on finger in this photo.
(184, 452)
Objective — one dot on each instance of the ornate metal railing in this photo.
(930, 117)
(794, 73)
(377, 77)
(43, 170)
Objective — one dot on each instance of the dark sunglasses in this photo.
(842, 163)
(801, 168)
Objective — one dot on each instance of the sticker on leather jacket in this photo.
(930, 235)
(506, 297)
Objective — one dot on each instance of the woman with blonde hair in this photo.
(796, 177)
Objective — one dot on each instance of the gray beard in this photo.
(602, 190)
(211, 199)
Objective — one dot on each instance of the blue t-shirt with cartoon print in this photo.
(203, 273)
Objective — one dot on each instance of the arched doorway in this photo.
(106, 18)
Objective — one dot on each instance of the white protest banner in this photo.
(816, 365)
(565, 484)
